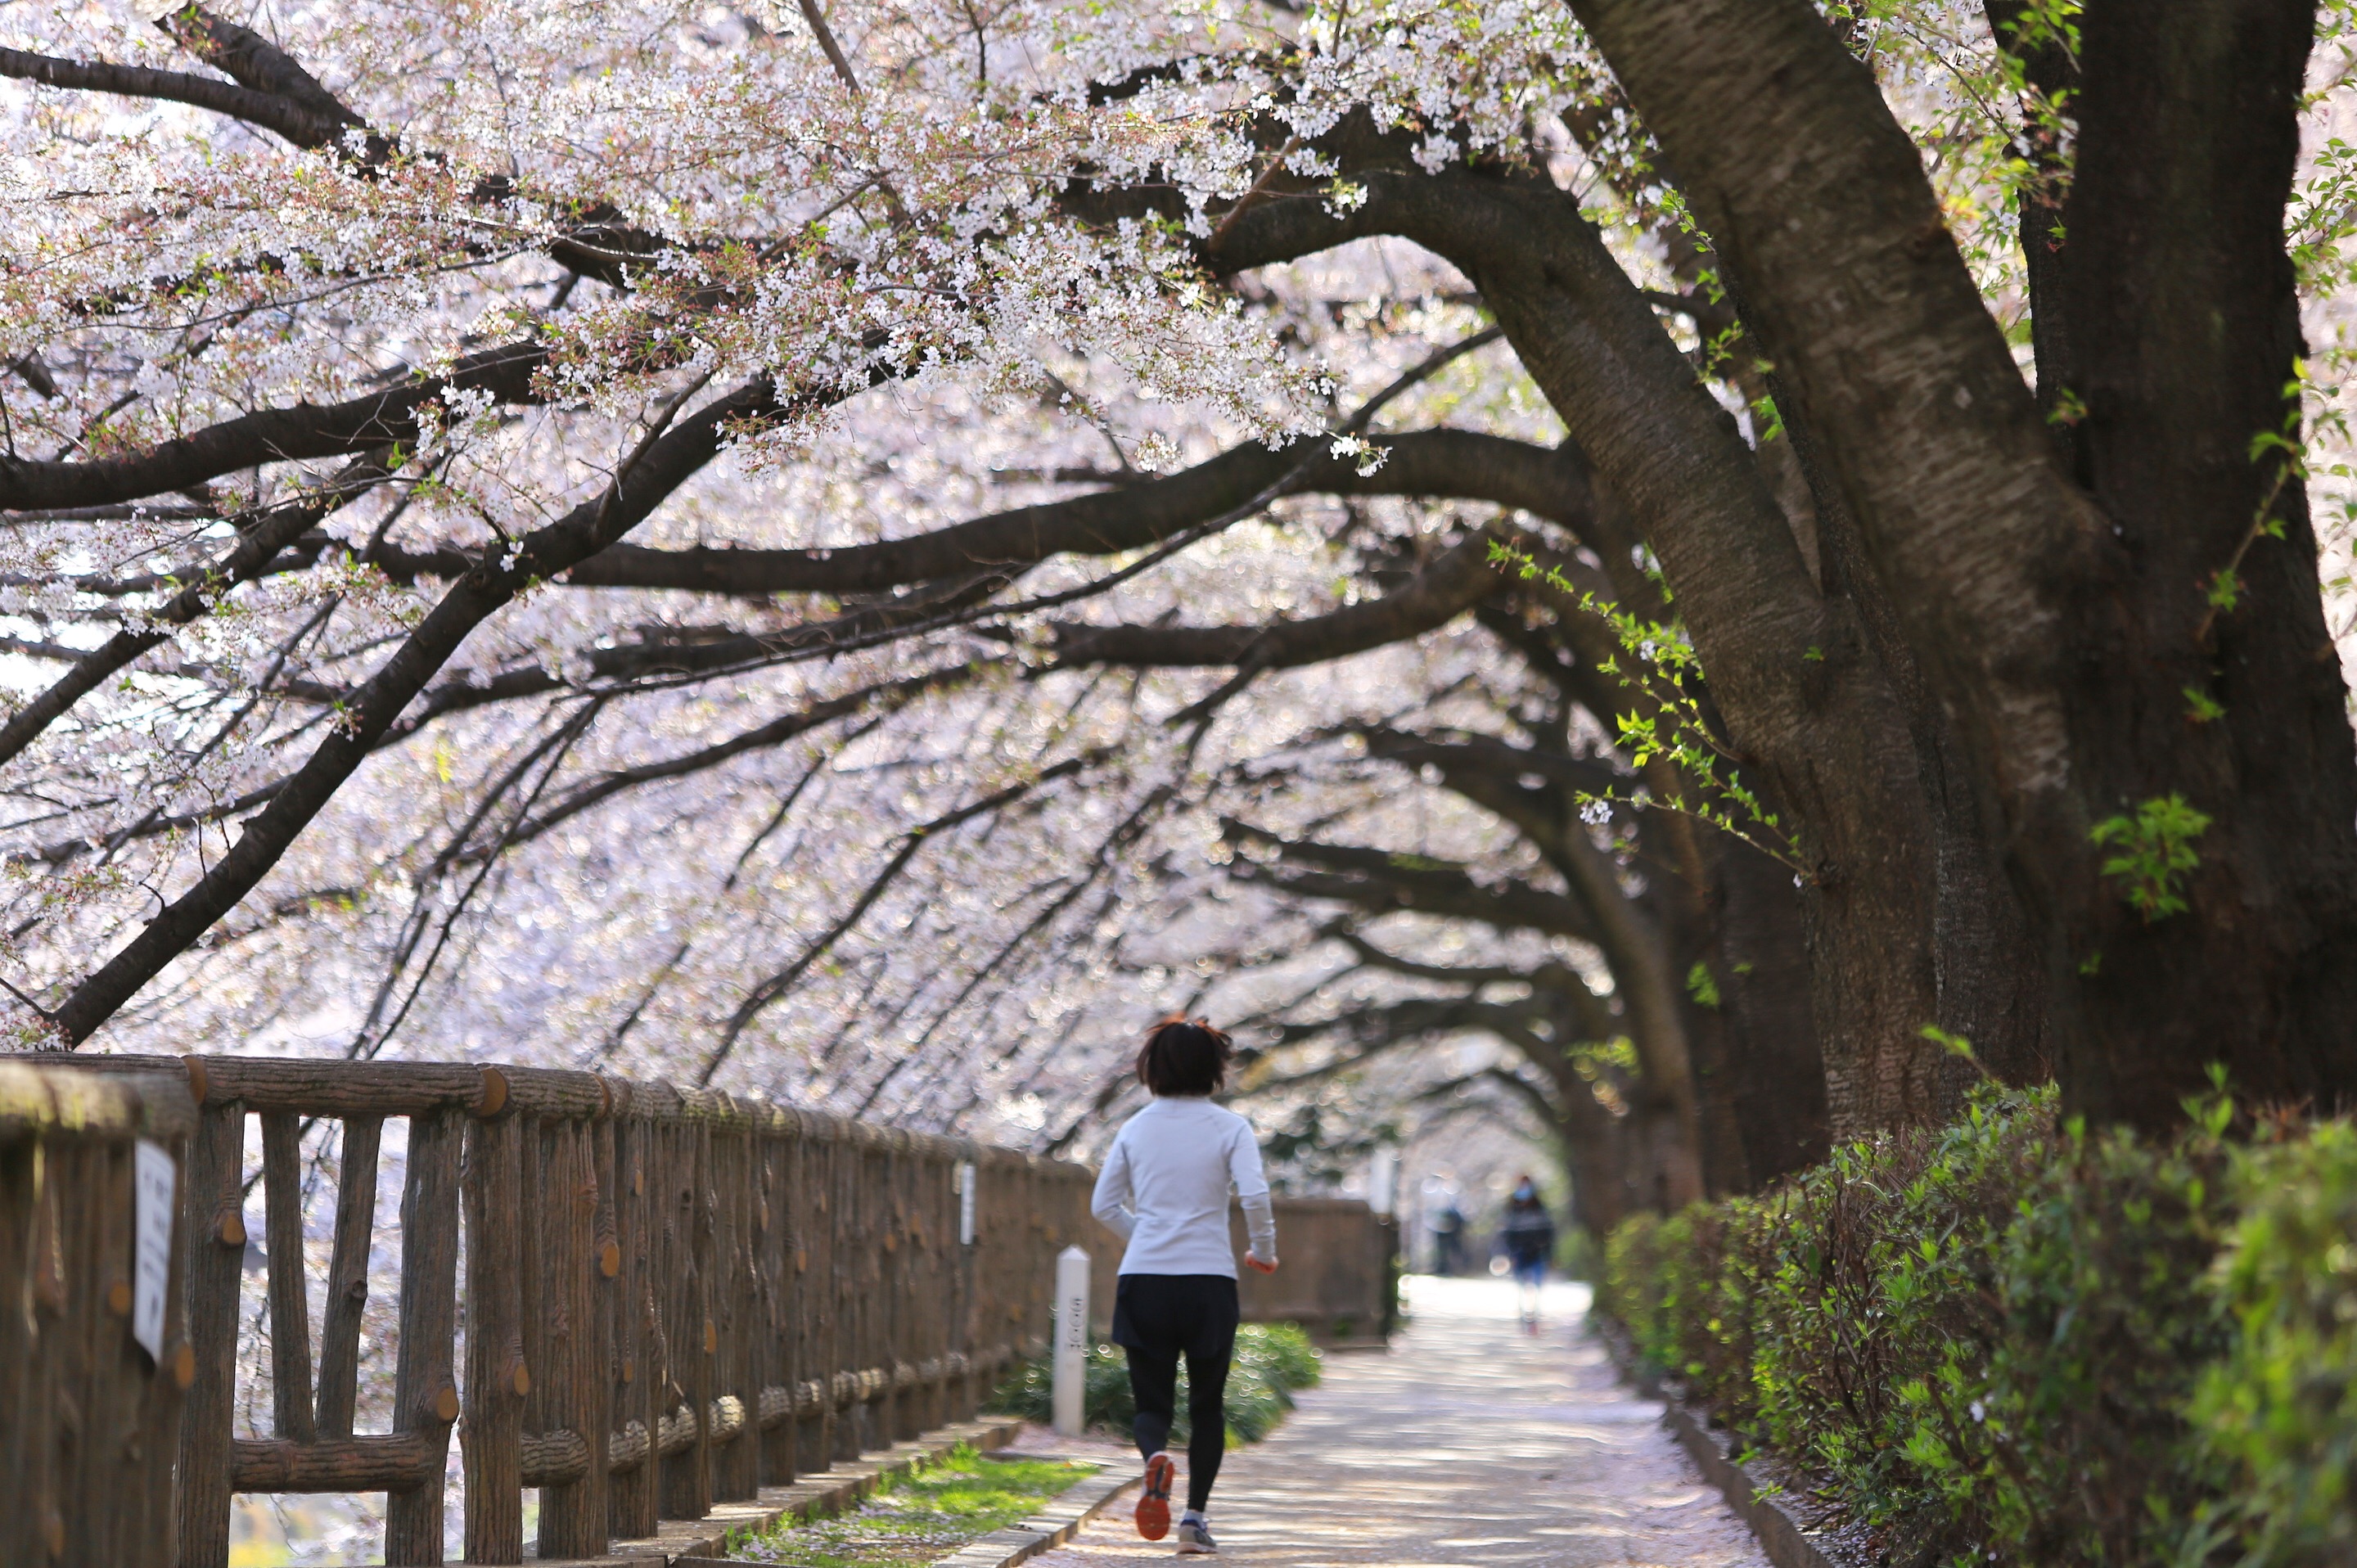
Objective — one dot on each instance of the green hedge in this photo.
(1272, 1360)
(2010, 1341)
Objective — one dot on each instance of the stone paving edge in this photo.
(1779, 1533)
(685, 1543)
(1054, 1524)
(1051, 1527)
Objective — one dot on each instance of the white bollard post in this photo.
(1071, 1352)
(1383, 1181)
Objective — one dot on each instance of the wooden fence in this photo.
(669, 1298)
(1338, 1278)
(86, 1412)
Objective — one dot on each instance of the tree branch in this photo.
(776, 732)
(296, 124)
(386, 418)
(258, 64)
(776, 985)
(1451, 585)
(263, 535)
(1461, 465)
(659, 467)
(1384, 882)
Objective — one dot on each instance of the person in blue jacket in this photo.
(1527, 1238)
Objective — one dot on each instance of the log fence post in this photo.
(637, 1374)
(543, 1254)
(498, 1379)
(872, 1204)
(837, 1213)
(897, 1266)
(292, 1416)
(425, 1384)
(570, 1361)
(853, 1350)
(935, 1185)
(771, 1353)
(736, 1467)
(930, 1179)
(822, 1291)
(93, 1361)
(214, 1222)
(339, 1323)
(93, 1203)
(689, 1332)
(781, 1462)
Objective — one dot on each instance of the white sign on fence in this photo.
(965, 1203)
(150, 1230)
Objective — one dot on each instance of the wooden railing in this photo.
(86, 1411)
(664, 1298)
(670, 1297)
(1338, 1278)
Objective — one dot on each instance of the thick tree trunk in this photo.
(1667, 1110)
(1630, 938)
(1771, 1082)
(1599, 1152)
(1987, 967)
(1984, 956)
(2067, 629)
(1759, 1086)
(2178, 305)
(1734, 927)
(1805, 703)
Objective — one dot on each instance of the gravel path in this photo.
(1468, 1446)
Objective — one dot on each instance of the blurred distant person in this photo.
(1163, 1189)
(1528, 1237)
(1448, 1239)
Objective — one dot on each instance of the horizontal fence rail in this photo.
(640, 1299)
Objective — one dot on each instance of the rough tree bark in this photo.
(2067, 620)
(1722, 905)
(1808, 710)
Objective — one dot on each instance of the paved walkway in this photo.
(1469, 1445)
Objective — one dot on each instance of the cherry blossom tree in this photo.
(863, 551)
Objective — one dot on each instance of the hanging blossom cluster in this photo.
(809, 780)
(317, 315)
(751, 203)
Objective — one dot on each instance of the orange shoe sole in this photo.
(1154, 1503)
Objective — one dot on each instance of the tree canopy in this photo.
(865, 550)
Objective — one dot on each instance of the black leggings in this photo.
(1158, 1318)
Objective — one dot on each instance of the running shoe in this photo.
(1154, 1503)
(1195, 1538)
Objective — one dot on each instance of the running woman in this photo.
(1163, 1189)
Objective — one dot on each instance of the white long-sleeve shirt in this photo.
(1164, 1188)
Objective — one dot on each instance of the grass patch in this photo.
(918, 1516)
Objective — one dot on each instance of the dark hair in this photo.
(1183, 1057)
